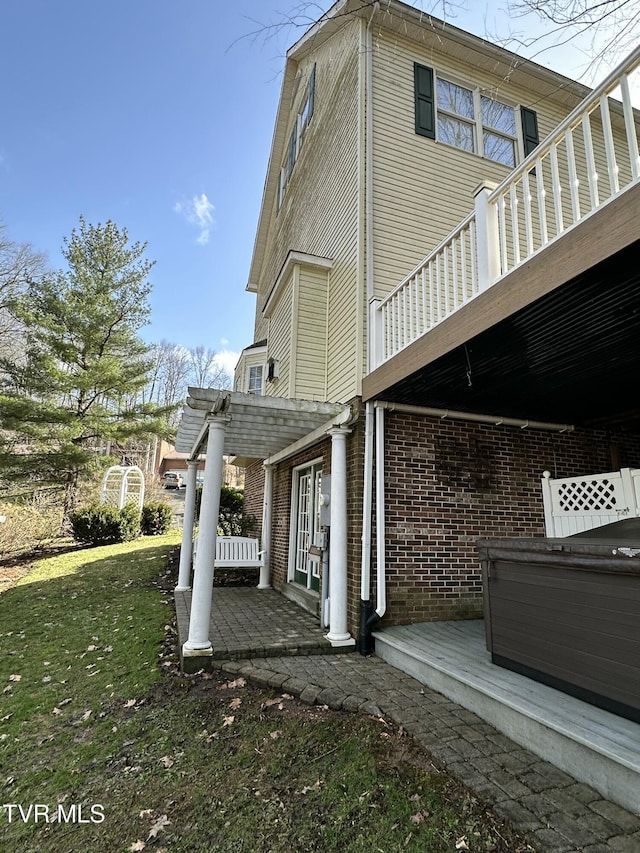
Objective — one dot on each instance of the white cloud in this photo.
(198, 211)
(227, 360)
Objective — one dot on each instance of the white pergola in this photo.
(228, 423)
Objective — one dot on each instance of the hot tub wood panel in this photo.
(568, 615)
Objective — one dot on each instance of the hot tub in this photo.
(566, 612)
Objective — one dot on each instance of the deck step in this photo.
(592, 745)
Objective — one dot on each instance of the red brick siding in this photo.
(448, 483)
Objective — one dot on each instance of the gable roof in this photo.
(414, 24)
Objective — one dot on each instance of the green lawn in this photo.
(100, 731)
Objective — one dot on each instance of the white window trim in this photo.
(248, 370)
(295, 482)
(476, 123)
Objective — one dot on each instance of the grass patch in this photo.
(99, 729)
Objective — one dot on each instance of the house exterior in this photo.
(436, 324)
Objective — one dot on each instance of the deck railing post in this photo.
(487, 240)
(376, 336)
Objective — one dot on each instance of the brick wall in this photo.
(253, 496)
(448, 483)
(282, 506)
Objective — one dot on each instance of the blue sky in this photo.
(157, 114)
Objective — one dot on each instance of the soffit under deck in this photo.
(258, 427)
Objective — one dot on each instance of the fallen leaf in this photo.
(15, 678)
(275, 735)
(461, 843)
(168, 762)
(417, 818)
(157, 826)
(315, 787)
(228, 721)
(137, 845)
(146, 813)
(235, 703)
(229, 685)
(91, 648)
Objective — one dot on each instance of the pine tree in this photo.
(75, 388)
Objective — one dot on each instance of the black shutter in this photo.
(425, 101)
(311, 91)
(529, 129)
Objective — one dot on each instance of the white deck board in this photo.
(451, 657)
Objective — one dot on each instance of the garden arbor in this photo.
(122, 485)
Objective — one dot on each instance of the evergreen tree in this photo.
(76, 386)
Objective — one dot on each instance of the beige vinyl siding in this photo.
(279, 343)
(319, 211)
(424, 188)
(311, 326)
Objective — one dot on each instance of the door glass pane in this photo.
(307, 572)
(303, 522)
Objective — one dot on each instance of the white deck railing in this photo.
(589, 159)
(574, 504)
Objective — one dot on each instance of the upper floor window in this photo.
(254, 385)
(469, 120)
(296, 138)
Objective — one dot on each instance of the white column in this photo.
(199, 643)
(265, 570)
(338, 634)
(487, 236)
(186, 548)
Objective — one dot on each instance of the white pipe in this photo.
(368, 148)
(494, 420)
(367, 494)
(380, 519)
(267, 501)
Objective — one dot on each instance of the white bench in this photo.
(234, 552)
(238, 551)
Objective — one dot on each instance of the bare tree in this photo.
(205, 371)
(19, 265)
(604, 28)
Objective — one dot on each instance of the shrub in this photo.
(230, 515)
(101, 524)
(31, 522)
(231, 521)
(156, 518)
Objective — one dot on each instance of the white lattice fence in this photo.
(574, 504)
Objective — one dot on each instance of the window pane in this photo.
(255, 380)
(455, 99)
(455, 132)
(498, 116)
(499, 148)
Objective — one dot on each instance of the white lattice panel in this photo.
(575, 504)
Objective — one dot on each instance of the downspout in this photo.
(367, 613)
(368, 153)
(365, 641)
(381, 579)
